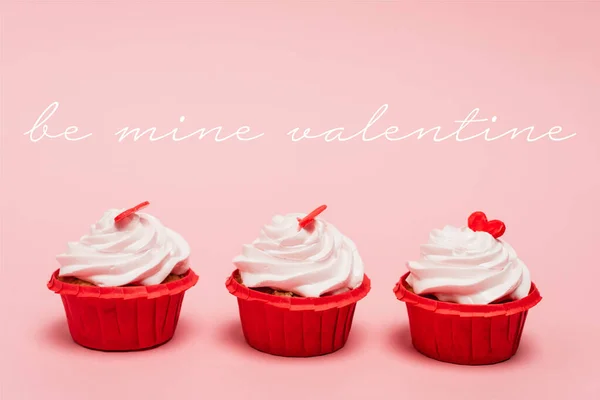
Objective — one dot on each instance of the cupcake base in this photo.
(295, 326)
(465, 334)
(122, 318)
(76, 281)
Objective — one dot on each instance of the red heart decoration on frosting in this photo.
(130, 211)
(478, 222)
(303, 222)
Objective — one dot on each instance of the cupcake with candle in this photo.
(468, 295)
(122, 284)
(297, 286)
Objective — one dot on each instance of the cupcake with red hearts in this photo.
(122, 284)
(468, 295)
(297, 286)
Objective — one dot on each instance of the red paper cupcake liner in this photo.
(464, 333)
(122, 318)
(296, 326)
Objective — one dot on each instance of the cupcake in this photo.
(122, 284)
(297, 286)
(468, 295)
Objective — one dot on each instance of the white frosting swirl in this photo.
(310, 262)
(138, 250)
(459, 265)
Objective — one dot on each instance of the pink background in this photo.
(275, 67)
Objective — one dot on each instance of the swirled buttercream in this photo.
(310, 262)
(138, 250)
(462, 266)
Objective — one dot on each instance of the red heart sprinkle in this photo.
(302, 222)
(132, 210)
(478, 222)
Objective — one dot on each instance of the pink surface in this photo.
(276, 67)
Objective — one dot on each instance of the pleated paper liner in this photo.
(462, 333)
(122, 318)
(295, 326)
